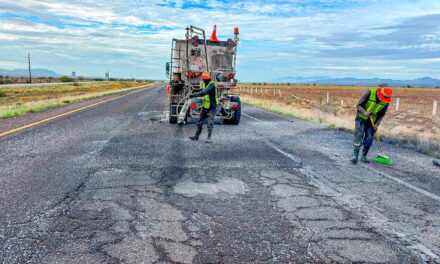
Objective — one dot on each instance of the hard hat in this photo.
(206, 75)
(385, 94)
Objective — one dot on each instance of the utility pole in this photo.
(29, 63)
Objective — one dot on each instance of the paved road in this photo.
(117, 183)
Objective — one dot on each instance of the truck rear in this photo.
(192, 56)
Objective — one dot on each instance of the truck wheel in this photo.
(172, 119)
(235, 120)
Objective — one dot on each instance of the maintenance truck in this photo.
(190, 57)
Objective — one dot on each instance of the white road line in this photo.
(381, 221)
(251, 117)
(406, 184)
(290, 156)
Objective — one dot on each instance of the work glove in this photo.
(368, 114)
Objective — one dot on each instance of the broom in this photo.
(381, 158)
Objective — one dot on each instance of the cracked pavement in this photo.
(118, 184)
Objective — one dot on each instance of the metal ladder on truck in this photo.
(175, 67)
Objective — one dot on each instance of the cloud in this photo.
(358, 38)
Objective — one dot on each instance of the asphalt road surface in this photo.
(118, 183)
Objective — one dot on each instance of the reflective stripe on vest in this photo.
(206, 99)
(374, 106)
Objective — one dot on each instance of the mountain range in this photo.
(419, 82)
(25, 72)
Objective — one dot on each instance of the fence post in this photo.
(273, 92)
(279, 91)
(328, 97)
(342, 102)
(434, 108)
(397, 104)
(266, 91)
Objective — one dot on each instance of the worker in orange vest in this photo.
(372, 107)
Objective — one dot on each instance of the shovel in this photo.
(381, 158)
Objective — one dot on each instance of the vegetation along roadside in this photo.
(23, 100)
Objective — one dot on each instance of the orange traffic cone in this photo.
(214, 35)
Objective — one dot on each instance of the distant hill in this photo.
(420, 82)
(24, 72)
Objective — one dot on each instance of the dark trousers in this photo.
(364, 134)
(207, 115)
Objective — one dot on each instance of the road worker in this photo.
(209, 109)
(371, 108)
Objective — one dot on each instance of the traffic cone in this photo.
(214, 35)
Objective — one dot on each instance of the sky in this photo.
(278, 39)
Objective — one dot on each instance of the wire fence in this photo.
(329, 99)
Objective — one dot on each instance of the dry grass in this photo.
(421, 128)
(19, 101)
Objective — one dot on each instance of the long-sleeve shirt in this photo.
(211, 91)
(362, 104)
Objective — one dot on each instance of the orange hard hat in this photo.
(385, 94)
(206, 75)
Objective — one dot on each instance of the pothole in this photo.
(229, 185)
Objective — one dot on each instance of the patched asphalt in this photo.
(118, 184)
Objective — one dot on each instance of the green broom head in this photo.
(382, 159)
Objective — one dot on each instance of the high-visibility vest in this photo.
(374, 106)
(206, 98)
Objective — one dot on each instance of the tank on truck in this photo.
(188, 61)
(198, 31)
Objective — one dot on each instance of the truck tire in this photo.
(235, 120)
(172, 119)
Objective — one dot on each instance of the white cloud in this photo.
(294, 35)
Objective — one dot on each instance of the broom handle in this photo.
(377, 135)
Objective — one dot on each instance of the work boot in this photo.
(364, 158)
(208, 139)
(354, 158)
(196, 136)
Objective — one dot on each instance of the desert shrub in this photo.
(65, 79)
(2, 94)
(6, 82)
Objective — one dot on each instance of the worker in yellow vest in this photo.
(373, 105)
(209, 109)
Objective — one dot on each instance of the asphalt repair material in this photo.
(116, 183)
